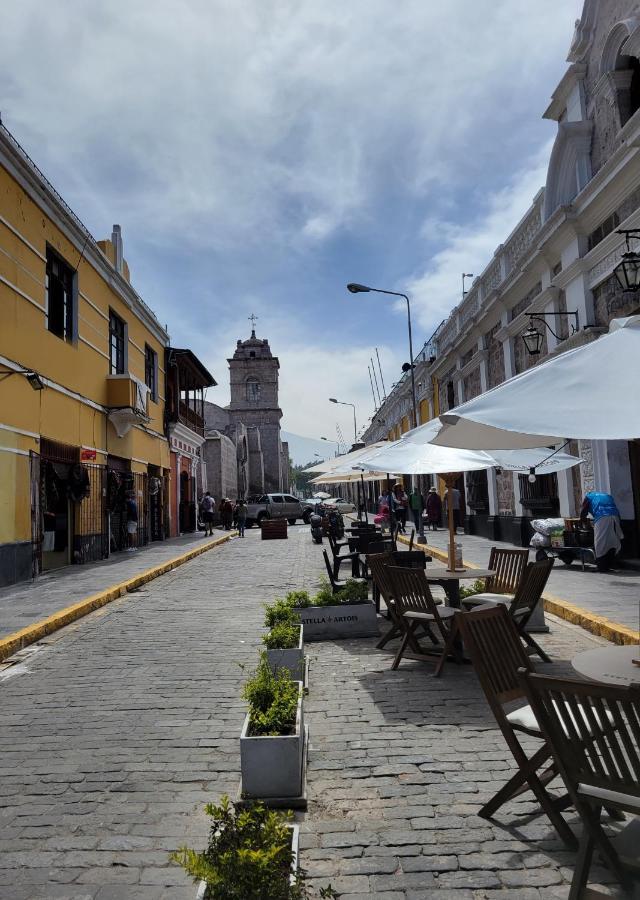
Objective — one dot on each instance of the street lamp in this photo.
(627, 271)
(342, 403)
(337, 443)
(533, 338)
(363, 289)
(33, 378)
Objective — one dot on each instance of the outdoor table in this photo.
(450, 581)
(609, 665)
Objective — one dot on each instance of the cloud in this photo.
(469, 246)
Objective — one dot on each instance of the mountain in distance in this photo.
(302, 449)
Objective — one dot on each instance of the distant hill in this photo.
(302, 449)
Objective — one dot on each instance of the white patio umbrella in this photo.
(413, 455)
(583, 393)
(339, 462)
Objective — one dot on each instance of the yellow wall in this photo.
(404, 424)
(80, 367)
(424, 411)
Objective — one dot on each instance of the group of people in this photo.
(230, 513)
(396, 506)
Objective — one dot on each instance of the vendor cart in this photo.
(576, 543)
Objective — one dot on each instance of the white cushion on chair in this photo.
(487, 599)
(524, 719)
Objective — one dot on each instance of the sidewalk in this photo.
(31, 601)
(614, 595)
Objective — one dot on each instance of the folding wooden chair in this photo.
(523, 604)
(594, 733)
(337, 583)
(378, 564)
(338, 558)
(416, 607)
(509, 566)
(410, 559)
(491, 640)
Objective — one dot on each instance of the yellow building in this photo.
(82, 386)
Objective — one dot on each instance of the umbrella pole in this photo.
(364, 502)
(450, 480)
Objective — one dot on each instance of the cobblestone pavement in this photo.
(615, 595)
(28, 602)
(118, 730)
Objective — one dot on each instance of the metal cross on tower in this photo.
(253, 319)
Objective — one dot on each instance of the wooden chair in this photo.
(415, 607)
(336, 583)
(378, 564)
(410, 559)
(523, 604)
(509, 566)
(338, 558)
(491, 640)
(593, 731)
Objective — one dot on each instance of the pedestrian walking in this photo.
(607, 530)
(207, 513)
(434, 509)
(402, 506)
(455, 503)
(416, 504)
(131, 510)
(241, 516)
(226, 512)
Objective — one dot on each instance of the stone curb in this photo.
(599, 625)
(38, 630)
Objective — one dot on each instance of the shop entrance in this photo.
(56, 509)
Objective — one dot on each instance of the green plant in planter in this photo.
(280, 612)
(476, 588)
(272, 699)
(283, 636)
(354, 592)
(299, 599)
(248, 856)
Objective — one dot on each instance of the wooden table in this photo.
(450, 581)
(609, 665)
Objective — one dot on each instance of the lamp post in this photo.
(337, 443)
(363, 289)
(342, 403)
(533, 338)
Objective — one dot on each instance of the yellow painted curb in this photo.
(38, 630)
(599, 625)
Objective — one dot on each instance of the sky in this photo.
(260, 154)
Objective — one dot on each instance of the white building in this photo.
(559, 259)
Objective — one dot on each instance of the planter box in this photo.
(295, 841)
(272, 767)
(274, 529)
(291, 658)
(345, 620)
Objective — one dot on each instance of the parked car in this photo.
(273, 506)
(343, 506)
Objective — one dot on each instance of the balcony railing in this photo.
(190, 418)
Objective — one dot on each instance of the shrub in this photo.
(283, 636)
(476, 588)
(298, 598)
(354, 592)
(248, 856)
(280, 612)
(272, 699)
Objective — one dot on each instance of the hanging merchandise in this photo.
(78, 484)
(154, 486)
(114, 490)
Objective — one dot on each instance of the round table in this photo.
(609, 665)
(450, 581)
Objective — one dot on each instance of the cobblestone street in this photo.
(118, 729)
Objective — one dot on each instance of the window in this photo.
(277, 498)
(451, 396)
(253, 390)
(151, 371)
(60, 296)
(117, 331)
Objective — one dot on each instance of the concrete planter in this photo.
(295, 841)
(345, 620)
(272, 767)
(291, 658)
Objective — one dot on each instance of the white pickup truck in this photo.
(273, 506)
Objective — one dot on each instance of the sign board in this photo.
(86, 455)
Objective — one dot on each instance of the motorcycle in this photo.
(336, 524)
(316, 522)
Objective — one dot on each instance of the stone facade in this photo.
(250, 424)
